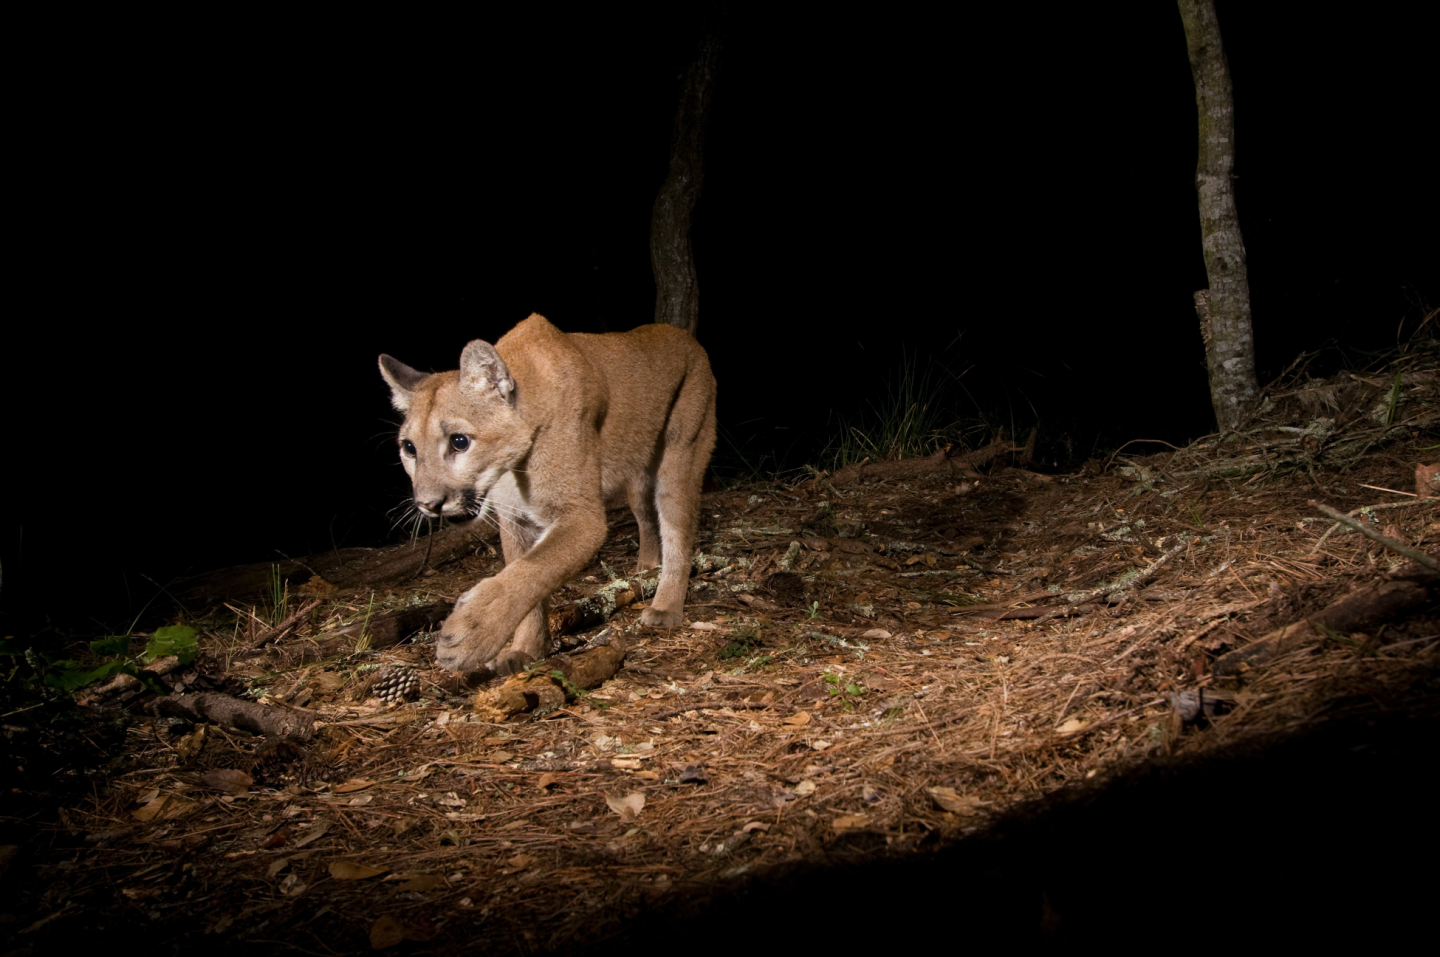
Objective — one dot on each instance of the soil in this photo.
(914, 711)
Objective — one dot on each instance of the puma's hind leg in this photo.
(641, 493)
(677, 502)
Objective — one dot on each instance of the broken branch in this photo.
(1412, 553)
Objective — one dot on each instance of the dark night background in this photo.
(221, 222)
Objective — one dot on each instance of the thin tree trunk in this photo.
(1224, 308)
(677, 294)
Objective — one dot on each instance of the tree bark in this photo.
(677, 293)
(1224, 308)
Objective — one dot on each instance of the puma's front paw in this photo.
(472, 635)
(511, 662)
(661, 618)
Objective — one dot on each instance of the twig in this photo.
(1070, 735)
(714, 706)
(1392, 491)
(1412, 553)
(1367, 508)
(278, 632)
(1132, 442)
(1093, 594)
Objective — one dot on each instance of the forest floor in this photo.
(871, 670)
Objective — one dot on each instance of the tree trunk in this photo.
(677, 295)
(1224, 308)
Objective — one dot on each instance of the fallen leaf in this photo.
(292, 885)
(799, 719)
(500, 757)
(848, 822)
(386, 932)
(805, 787)
(450, 799)
(351, 871)
(276, 866)
(191, 745)
(419, 774)
(947, 800)
(315, 833)
(328, 682)
(624, 764)
(227, 779)
(547, 779)
(755, 826)
(354, 784)
(1073, 725)
(819, 745)
(425, 882)
(876, 633)
(517, 863)
(648, 775)
(628, 806)
(149, 809)
(704, 626)
(1427, 480)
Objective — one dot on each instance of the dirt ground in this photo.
(869, 671)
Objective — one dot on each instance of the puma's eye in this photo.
(459, 442)
(407, 448)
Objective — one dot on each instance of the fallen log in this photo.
(345, 569)
(599, 607)
(221, 709)
(547, 684)
(394, 627)
(942, 461)
(1409, 589)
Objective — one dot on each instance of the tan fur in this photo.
(554, 425)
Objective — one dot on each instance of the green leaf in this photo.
(178, 640)
(68, 679)
(6, 648)
(113, 645)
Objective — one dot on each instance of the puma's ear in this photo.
(403, 381)
(482, 371)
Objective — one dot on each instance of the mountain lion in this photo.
(541, 430)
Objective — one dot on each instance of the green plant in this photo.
(846, 689)
(743, 642)
(813, 611)
(911, 418)
(68, 674)
(573, 692)
(363, 643)
(279, 596)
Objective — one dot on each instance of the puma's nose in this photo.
(432, 507)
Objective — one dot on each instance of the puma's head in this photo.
(461, 430)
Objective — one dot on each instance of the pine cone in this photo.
(396, 683)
